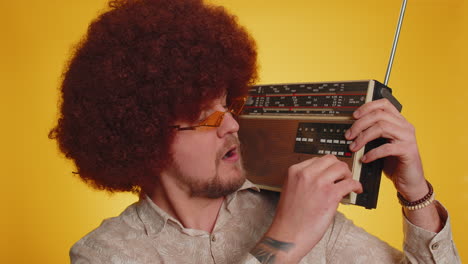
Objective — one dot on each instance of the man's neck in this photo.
(192, 212)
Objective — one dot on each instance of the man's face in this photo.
(207, 161)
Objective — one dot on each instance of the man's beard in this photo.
(217, 186)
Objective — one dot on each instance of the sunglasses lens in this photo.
(214, 120)
(237, 106)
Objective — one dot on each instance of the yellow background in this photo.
(45, 209)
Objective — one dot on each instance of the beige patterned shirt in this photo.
(144, 233)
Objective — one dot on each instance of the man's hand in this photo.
(402, 164)
(402, 160)
(308, 203)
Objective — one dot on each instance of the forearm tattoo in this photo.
(267, 248)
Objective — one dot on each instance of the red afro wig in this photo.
(141, 66)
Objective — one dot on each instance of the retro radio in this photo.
(284, 124)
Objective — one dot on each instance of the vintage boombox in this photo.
(284, 124)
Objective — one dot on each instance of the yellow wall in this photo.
(46, 209)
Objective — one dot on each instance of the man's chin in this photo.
(218, 191)
(222, 187)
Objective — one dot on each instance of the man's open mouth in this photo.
(230, 153)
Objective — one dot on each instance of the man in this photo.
(145, 108)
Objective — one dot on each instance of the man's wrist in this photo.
(269, 250)
(415, 203)
(414, 193)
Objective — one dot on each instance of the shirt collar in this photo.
(246, 186)
(154, 218)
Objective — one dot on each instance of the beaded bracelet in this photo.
(421, 203)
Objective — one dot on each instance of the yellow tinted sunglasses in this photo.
(216, 118)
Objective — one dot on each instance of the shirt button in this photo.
(213, 238)
(435, 246)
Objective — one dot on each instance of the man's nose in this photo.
(228, 125)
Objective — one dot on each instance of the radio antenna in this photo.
(395, 42)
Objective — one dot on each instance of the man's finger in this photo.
(318, 164)
(378, 130)
(386, 150)
(347, 186)
(371, 119)
(382, 104)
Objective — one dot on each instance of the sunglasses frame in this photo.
(216, 118)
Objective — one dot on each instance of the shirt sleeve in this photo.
(100, 252)
(82, 254)
(422, 246)
(351, 244)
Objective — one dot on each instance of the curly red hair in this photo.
(142, 65)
